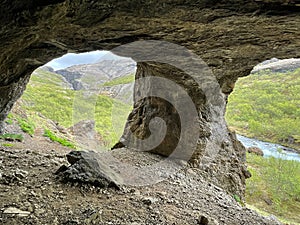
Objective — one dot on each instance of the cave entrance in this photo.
(264, 109)
(265, 105)
(80, 99)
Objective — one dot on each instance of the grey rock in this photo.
(12, 211)
(89, 167)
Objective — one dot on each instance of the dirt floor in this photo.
(30, 193)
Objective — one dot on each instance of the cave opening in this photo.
(79, 100)
(264, 110)
(265, 104)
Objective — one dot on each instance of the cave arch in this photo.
(231, 37)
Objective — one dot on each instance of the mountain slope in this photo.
(51, 95)
(93, 75)
(266, 106)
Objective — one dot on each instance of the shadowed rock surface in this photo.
(230, 36)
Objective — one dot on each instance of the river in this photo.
(269, 149)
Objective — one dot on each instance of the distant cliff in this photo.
(277, 65)
(88, 76)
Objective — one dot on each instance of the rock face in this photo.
(87, 75)
(230, 36)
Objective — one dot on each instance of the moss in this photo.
(62, 141)
(26, 126)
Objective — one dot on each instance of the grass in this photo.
(26, 125)
(120, 80)
(12, 137)
(8, 145)
(274, 186)
(47, 93)
(267, 106)
(62, 141)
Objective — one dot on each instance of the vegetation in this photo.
(62, 141)
(274, 186)
(120, 80)
(48, 94)
(7, 145)
(26, 126)
(266, 106)
(12, 137)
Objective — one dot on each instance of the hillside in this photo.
(93, 75)
(266, 105)
(52, 96)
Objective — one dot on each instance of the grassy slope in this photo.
(47, 94)
(274, 187)
(267, 106)
(120, 80)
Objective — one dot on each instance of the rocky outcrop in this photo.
(255, 150)
(85, 135)
(89, 76)
(230, 36)
(73, 78)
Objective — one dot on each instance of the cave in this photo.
(230, 37)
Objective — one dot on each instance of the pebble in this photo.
(16, 211)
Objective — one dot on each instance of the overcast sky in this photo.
(71, 59)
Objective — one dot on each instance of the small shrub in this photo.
(62, 141)
(26, 126)
(12, 137)
(9, 121)
(7, 145)
(10, 116)
(238, 199)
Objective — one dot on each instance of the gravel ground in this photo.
(30, 193)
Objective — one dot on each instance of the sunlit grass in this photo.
(48, 94)
(267, 106)
(274, 186)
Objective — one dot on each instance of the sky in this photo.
(71, 59)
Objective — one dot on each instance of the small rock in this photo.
(21, 173)
(149, 200)
(16, 211)
(255, 150)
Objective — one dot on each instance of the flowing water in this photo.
(270, 149)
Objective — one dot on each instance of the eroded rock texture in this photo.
(230, 36)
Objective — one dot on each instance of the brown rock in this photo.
(255, 150)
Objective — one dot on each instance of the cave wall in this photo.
(230, 36)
